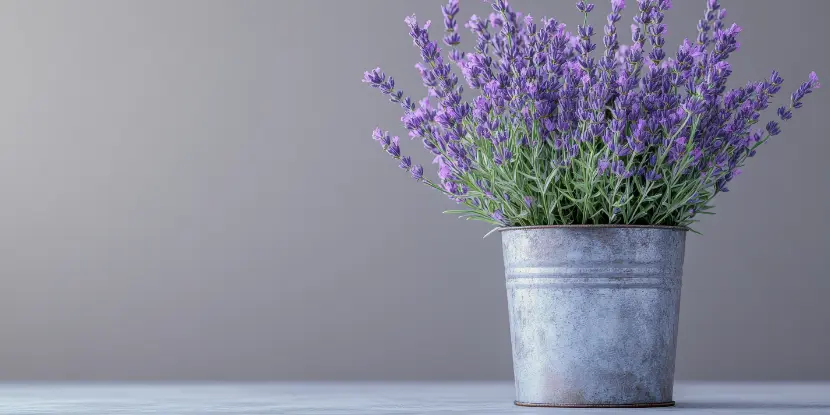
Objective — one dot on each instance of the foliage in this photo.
(558, 136)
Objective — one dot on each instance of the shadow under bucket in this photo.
(593, 313)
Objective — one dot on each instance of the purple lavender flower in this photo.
(500, 6)
(814, 80)
(393, 149)
(584, 7)
(450, 10)
(705, 25)
(444, 169)
(726, 42)
(499, 217)
(607, 130)
(377, 79)
(501, 156)
(417, 172)
(785, 113)
(805, 88)
(377, 134)
(618, 168)
(374, 78)
(695, 105)
(381, 137)
(610, 38)
(775, 81)
(602, 165)
(652, 175)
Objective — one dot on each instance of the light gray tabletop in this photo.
(381, 398)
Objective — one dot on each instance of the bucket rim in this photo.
(611, 226)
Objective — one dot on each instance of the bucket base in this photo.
(598, 405)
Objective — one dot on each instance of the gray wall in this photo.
(190, 191)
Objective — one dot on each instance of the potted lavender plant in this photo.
(593, 168)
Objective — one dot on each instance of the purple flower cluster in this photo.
(557, 134)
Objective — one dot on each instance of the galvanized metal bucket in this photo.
(593, 313)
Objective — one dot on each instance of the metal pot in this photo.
(593, 313)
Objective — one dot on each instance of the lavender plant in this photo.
(557, 135)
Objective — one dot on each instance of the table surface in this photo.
(380, 398)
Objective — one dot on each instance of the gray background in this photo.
(190, 191)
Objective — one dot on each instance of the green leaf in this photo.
(534, 178)
(490, 221)
(639, 186)
(548, 181)
(567, 196)
(458, 211)
(642, 214)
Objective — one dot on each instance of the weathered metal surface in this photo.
(593, 313)
(596, 405)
